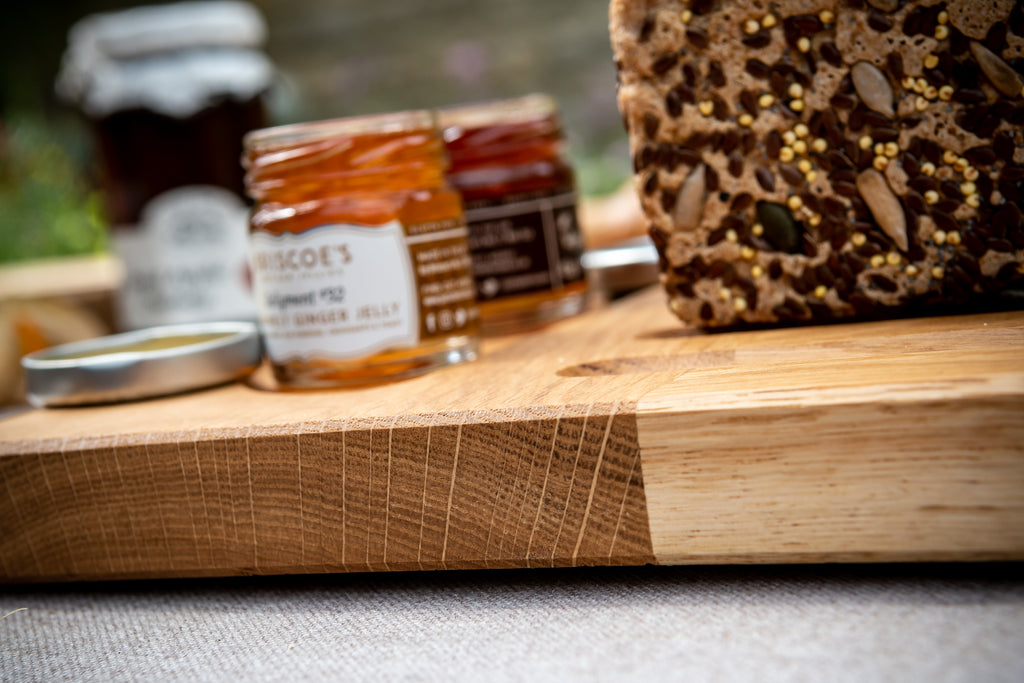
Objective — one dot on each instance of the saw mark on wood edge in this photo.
(26, 534)
(158, 503)
(53, 503)
(298, 478)
(71, 486)
(593, 482)
(451, 496)
(622, 510)
(572, 480)
(252, 505)
(99, 517)
(544, 486)
(125, 502)
(387, 494)
(423, 504)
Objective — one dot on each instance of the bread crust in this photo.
(817, 159)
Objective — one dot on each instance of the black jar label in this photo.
(524, 243)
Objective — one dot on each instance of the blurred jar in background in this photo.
(170, 91)
(520, 199)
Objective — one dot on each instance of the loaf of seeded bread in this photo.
(820, 159)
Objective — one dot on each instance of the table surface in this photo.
(934, 622)
(876, 622)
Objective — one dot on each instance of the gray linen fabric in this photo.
(811, 623)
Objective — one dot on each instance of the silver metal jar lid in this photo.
(150, 362)
(622, 268)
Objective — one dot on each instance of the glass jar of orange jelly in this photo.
(520, 199)
(359, 250)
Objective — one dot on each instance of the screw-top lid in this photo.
(144, 363)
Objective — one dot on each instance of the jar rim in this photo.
(288, 135)
(530, 107)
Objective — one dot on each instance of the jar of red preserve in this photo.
(520, 200)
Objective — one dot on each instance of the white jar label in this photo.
(186, 260)
(336, 291)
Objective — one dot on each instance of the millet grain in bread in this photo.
(817, 159)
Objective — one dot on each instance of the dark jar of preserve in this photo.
(169, 91)
(359, 250)
(520, 199)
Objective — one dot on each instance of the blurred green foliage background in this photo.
(47, 206)
(335, 58)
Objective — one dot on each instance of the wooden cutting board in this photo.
(618, 437)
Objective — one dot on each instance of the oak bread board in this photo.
(617, 437)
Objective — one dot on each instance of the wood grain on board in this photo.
(618, 437)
